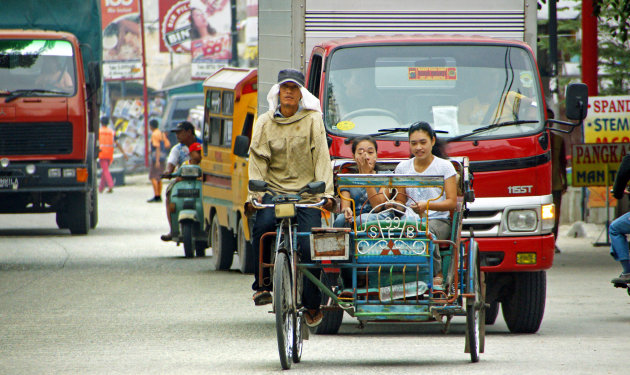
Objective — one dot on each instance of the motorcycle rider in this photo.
(620, 227)
(289, 150)
(179, 154)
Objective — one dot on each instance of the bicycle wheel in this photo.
(474, 311)
(298, 338)
(283, 307)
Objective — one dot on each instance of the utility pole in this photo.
(589, 47)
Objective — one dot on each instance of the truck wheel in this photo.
(62, 220)
(94, 208)
(523, 310)
(244, 250)
(187, 239)
(492, 312)
(79, 213)
(223, 244)
(332, 318)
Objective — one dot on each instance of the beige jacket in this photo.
(288, 153)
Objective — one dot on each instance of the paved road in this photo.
(119, 301)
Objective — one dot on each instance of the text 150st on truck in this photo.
(50, 56)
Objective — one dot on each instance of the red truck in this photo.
(49, 105)
(471, 73)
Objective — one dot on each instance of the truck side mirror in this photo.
(577, 101)
(241, 146)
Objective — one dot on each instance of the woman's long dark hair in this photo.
(438, 147)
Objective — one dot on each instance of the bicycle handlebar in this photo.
(256, 204)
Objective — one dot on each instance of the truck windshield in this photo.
(37, 68)
(455, 88)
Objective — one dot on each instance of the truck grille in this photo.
(41, 138)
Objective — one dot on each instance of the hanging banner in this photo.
(175, 26)
(608, 120)
(596, 164)
(122, 43)
(210, 35)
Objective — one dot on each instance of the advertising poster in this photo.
(210, 35)
(608, 120)
(175, 26)
(122, 43)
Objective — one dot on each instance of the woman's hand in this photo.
(347, 213)
(419, 207)
(365, 165)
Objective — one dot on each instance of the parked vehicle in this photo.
(230, 111)
(422, 64)
(186, 211)
(177, 109)
(49, 106)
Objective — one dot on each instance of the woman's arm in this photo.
(346, 205)
(449, 203)
(377, 197)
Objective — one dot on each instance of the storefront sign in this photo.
(122, 43)
(608, 120)
(596, 164)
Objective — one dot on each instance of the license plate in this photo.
(8, 183)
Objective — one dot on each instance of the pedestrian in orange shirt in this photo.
(159, 152)
(106, 154)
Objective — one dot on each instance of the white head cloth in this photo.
(308, 101)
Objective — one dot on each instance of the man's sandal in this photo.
(262, 297)
(313, 318)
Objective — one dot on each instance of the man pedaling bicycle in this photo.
(289, 150)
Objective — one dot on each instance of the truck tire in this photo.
(94, 208)
(223, 245)
(244, 250)
(492, 312)
(78, 213)
(523, 310)
(61, 218)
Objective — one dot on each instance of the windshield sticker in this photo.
(526, 79)
(433, 73)
(345, 125)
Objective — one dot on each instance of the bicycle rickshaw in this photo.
(390, 261)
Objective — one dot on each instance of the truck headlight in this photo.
(522, 220)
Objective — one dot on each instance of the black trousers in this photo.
(265, 221)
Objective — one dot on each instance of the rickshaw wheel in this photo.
(283, 307)
(298, 338)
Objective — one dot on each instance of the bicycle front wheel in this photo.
(283, 306)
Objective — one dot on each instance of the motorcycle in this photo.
(186, 210)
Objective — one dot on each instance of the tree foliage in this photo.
(617, 11)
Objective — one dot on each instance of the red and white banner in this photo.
(122, 40)
(175, 26)
(210, 35)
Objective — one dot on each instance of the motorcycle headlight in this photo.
(188, 171)
(522, 220)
